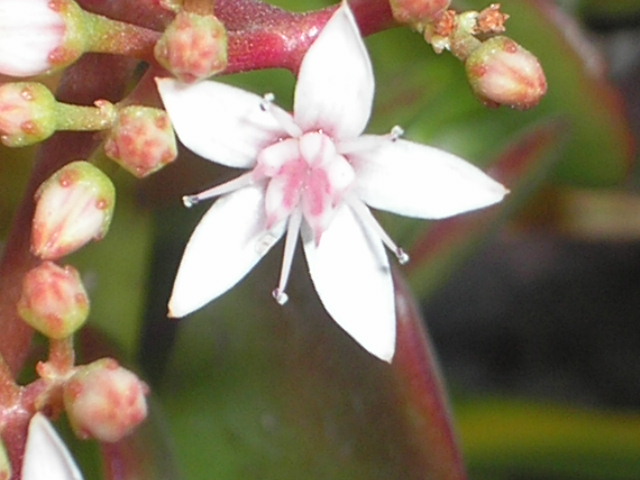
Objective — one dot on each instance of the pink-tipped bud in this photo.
(418, 11)
(142, 140)
(74, 206)
(39, 36)
(105, 401)
(53, 301)
(193, 47)
(501, 72)
(27, 113)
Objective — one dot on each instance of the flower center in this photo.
(305, 174)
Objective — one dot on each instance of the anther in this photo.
(280, 296)
(267, 100)
(190, 200)
(402, 256)
(396, 133)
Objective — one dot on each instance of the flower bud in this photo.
(104, 401)
(39, 36)
(53, 301)
(27, 113)
(74, 206)
(142, 140)
(501, 72)
(418, 11)
(193, 47)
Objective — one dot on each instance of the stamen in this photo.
(365, 215)
(284, 119)
(280, 296)
(293, 229)
(402, 256)
(190, 200)
(396, 132)
(267, 100)
(227, 187)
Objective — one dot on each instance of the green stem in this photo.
(62, 356)
(120, 38)
(80, 118)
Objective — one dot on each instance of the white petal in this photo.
(226, 244)
(350, 271)
(220, 122)
(418, 181)
(335, 83)
(46, 457)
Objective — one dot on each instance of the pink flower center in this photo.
(304, 174)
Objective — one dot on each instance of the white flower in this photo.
(312, 173)
(46, 457)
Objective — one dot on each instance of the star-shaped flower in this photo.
(312, 174)
(46, 457)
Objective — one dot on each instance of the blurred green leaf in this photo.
(262, 391)
(610, 9)
(507, 438)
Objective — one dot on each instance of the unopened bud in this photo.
(74, 206)
(193, 47)
(104, 401)
(418, 11)
(142, 140)
(53, 301)
(27, 113)
(39, 36)
(501, 72)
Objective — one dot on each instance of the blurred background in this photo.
(531, 306)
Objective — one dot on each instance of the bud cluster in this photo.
(500, 71)
(103, 400)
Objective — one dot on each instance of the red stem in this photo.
(260, 35)
(421, 384)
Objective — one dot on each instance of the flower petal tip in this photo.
(46, 455)
(176, 311)
(386, 355)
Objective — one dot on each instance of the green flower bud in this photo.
(74, 206)
(39, 36)
(104, 401)
(193, 47)
(27, 113)
(501, 72)
(54, 301)
(142, 140)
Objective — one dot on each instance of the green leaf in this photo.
(257, 390)
(507, 438)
